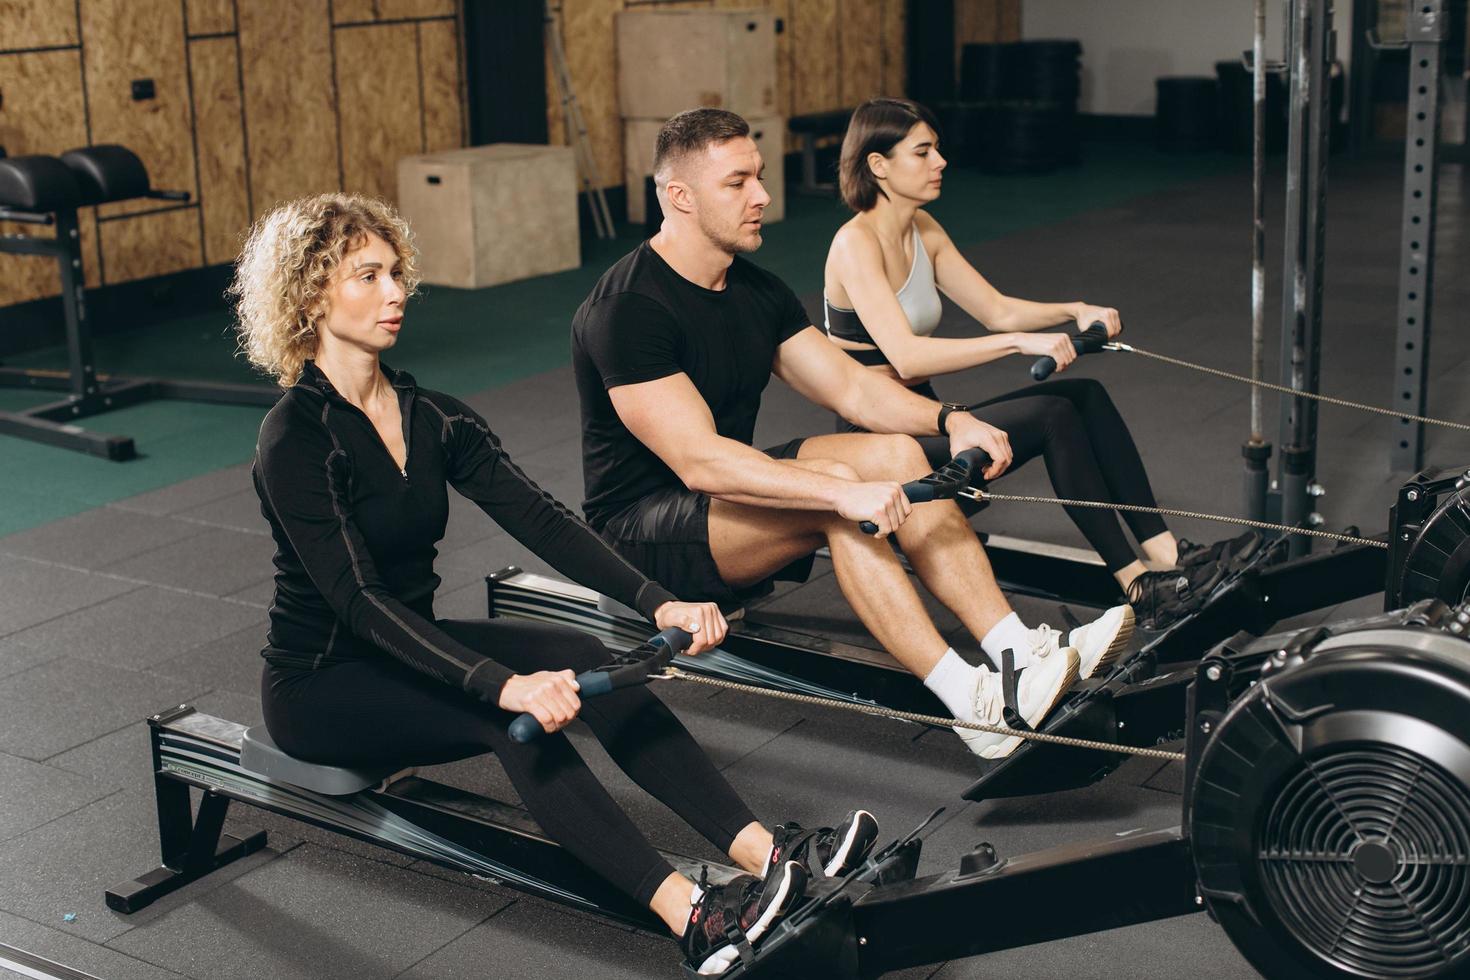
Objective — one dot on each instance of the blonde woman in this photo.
(884, 274)
(352, 469)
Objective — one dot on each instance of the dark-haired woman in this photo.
(884, 273)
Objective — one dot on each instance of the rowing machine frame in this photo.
(1141, 703)
(885, 918)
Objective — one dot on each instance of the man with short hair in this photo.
(672, 351)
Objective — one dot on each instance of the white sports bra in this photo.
(918, 296)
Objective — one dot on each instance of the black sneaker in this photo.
(826, 852)
(728, 920)
(1232, 554)
(1161, 599)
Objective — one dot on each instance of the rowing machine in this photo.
(1141, 703)
(1325, 825)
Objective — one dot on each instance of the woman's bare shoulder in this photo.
(855, 241)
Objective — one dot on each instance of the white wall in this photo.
(1126, 44)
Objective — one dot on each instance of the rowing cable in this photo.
(1283, 389)
(986, 496)
(879, 711)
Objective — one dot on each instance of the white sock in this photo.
(953, 681)
(1008, 634)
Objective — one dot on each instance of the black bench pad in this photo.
(107, 172)
(37, 183)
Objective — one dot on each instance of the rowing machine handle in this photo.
(958, 474)
(591, 683)
(1089, 341)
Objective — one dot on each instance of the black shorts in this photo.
(666, 534)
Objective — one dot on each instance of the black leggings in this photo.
(1089, 455)
(381, 713)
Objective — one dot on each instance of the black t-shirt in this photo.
(644, 321)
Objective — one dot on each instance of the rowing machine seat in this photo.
(38, 184)
(260, 755)
(107, 173)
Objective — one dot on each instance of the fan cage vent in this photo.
(1343, 823)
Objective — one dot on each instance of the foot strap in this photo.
(1011, 705)
(736, 936)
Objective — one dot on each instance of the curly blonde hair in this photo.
(281, 277)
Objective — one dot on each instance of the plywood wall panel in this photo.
(289, 104)
(587, 32)
(44, 113)
(443, 103)
(378, 101)
(143, 245)
(1010, 20)
(210, 16)
(831, 53)
(36, 24)
(223, 197)
(365, 11)
(895, 47)
(44, 109)
(860, 75)
(976, 21)
(124, 40)
(813, 27)
(290, 108)
(354, 11)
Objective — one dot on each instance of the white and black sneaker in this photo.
(826, 852)
(1017, 699)
(727, 921)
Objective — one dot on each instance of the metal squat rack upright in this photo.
(1310, 48)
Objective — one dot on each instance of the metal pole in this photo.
(1258, 212)
(74, 306)
(1257, 451)
(1306, 198)
(1427, 30)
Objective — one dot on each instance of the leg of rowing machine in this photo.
(191, 845)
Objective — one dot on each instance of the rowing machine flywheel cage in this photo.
(1330, 808)
(1429, 553)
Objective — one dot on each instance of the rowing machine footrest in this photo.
(260, 755)
(815, 941)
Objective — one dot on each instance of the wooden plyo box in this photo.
(492, 214)
(640, 135)
(672, 60)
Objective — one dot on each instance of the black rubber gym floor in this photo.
(159, 599)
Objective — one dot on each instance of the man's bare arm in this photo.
(670, 418)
